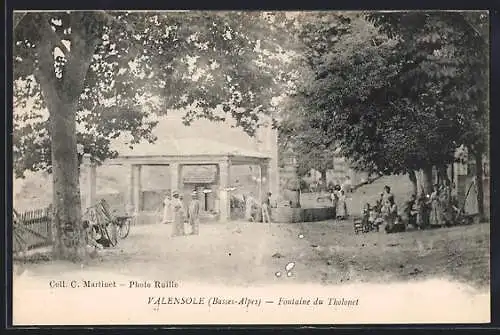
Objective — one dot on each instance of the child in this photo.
(366, 209)
(374, 219)
(390, 214)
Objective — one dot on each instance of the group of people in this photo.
(175, 212)
(338, 199)
(253, 209)
(385, 211)
(435, 210)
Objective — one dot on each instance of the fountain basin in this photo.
(292, 215)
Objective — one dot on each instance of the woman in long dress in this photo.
(436, 215)
(341, 206)
(167, 210)
(391, 214)
(179, 213)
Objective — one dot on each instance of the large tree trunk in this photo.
(443, 174)
(61, 96)
(69, 242)
(479, 179)
(324, 186)
(427, 179)
(413, 179)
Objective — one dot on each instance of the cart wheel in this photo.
(124, 228)
(107, 235)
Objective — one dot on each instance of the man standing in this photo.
(194, 214)
(266, 208)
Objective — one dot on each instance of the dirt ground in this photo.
(328, 252)
(457, 253)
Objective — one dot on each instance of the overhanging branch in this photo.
(18, 17)
(51, 34)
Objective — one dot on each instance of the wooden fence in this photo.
(32, 229)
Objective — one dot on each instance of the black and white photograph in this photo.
(250, 167)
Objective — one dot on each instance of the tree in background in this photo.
(313, 34)
(451, 61)
(389, 97)
(306, 143)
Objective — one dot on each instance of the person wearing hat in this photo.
(194, 213)
(178, 207)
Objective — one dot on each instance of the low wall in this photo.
(292, 215)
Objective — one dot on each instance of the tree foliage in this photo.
(456, 48)
(307, 144)
(142, 64)
(396, 98)
(314, 34)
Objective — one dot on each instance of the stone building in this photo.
(214, 159)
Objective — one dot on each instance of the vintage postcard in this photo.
(234, 167)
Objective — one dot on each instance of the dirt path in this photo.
(234, 254)
(457, 254)
(323, 253)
